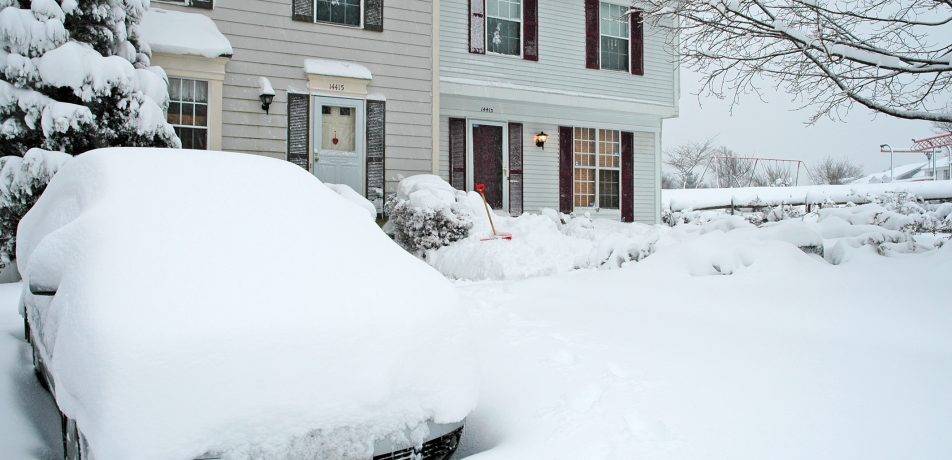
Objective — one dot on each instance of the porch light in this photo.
(540, 139)
(266, 93)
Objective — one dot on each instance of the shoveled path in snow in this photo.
(790, 358)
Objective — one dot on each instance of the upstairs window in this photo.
(615, 34)
(343, 12)
(504, 26)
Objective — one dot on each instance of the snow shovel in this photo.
(481, 188)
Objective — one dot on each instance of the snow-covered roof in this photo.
(176, 32)
(337, 69)
(907, 172)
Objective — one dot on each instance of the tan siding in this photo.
(268, 43)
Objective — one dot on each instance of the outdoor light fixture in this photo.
(540, 139)
(266, 93)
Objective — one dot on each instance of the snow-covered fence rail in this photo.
(759, 197)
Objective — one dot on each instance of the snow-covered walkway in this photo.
(789, 357)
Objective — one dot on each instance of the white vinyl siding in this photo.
(560, 70)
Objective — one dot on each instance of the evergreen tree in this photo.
(75, 75)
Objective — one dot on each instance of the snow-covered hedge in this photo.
(22, 180)
(427, 213)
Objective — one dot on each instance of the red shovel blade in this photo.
(501, 236)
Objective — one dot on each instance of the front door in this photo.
(489, 162)
(339, 139)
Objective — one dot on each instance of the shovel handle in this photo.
(481, 188)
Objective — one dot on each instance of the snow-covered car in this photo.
(191, 304)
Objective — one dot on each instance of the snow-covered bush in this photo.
(427, 213)
(75, 76)
(22, 180)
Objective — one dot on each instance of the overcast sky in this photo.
(777, 129)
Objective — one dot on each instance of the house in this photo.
(549, 103)
(353, 79)
(937, 167)
(555, 104)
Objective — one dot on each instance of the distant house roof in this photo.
(342, 69)
(176, 32)
(908, 172)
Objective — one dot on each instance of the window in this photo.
(344, 12)
(504, 26)
(615, 35)
(188, 111)
(597, 157)
(339, 129)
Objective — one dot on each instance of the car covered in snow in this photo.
(192, 304)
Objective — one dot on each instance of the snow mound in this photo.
(177, 32)
(357, 199)
(334, 68)
(209, 301)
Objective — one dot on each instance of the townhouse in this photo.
(550, 104)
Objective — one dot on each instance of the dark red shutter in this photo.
(566, 172)
(299, 128)
(515, 169)
(373, 15)
(592, 36)
(627, 177)
(530, 18)
(457, 153)
(376, 152)
(637, 43)
(477, 26)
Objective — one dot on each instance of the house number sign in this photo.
(487, 110)
(336, 86)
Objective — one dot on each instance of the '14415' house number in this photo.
(336, 86)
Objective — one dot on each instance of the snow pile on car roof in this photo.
(230, 303)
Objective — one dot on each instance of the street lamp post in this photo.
(891, 168)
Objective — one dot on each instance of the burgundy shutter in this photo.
(477, 26)
(515, 169)
(592, 35)
(302, 10)
(376, 151)
(627, 177)
(299, 121)
(203, 4)
(637, 43)
(373, 15)
(530, 18)
(457, 153)
(566, 173)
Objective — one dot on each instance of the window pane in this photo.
(174, 116)
(201, 115)
(345, 12)
(175, 89)
(188, 90)
(608, 188)
(187, 114)
(492, 7)
(505, 37)
(201, 91)
(614, 53)
(199, 139)
(609, 148)
(339, 130)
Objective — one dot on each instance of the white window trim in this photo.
(522, 31)
(329, 23)
(597, 168)
(600, 35)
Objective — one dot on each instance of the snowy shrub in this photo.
(427, 213)
(22, 180)
(75, 76)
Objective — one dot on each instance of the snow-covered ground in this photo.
(787, 357)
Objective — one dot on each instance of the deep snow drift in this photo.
(209, 301)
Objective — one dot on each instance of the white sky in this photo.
(777, 129)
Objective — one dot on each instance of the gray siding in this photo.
(561, 65)
(268, 43)
(647, 188)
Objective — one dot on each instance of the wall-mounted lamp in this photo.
(266, 93)
(540, 139)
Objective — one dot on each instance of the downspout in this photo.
(435, 59)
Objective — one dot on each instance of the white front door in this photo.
(339, 142)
